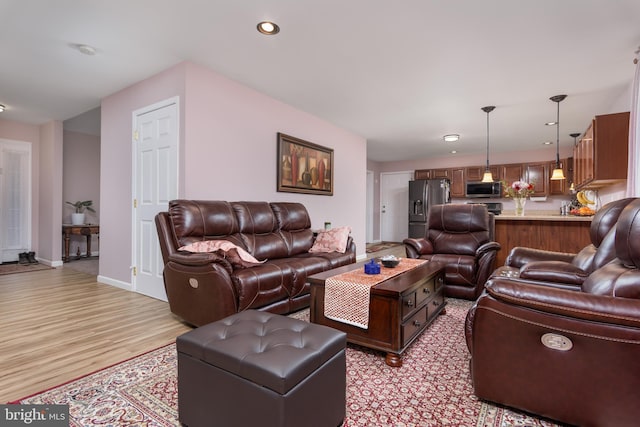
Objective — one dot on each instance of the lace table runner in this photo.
(346, 296)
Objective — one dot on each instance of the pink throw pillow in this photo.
(214, 245)
(332, 240)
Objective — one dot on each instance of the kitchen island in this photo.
(541, 230)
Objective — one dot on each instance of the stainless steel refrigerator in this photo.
(424, 193)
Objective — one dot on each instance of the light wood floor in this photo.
(59, 324)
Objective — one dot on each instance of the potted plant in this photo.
(77, 218)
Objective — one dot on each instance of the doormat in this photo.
(14, 267)
(375, 247)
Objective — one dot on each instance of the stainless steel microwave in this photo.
(484, 189)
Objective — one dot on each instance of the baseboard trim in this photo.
(113, 282)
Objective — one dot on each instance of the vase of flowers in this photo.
(518, 191)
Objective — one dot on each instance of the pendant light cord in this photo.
(558, 137)
(487, 140)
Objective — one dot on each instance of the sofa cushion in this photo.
(197, 220)
(295, 226)
(259, 230)
(333, 240)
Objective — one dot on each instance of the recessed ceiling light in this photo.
(453, 152)
(269, 28)
(551, 123)
(1, 108)
(547, 143)
(451, 137)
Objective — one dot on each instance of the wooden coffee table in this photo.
(400, 308)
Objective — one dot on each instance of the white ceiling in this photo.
(399, 73)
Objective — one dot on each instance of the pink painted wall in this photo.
(81, 181)
(50, 191)
(231, 150)
(228, 152)
(116, 170)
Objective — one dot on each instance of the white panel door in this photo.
(394, 205)
(156, 183)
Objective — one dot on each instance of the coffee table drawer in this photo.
(436, 304)
(414, 325)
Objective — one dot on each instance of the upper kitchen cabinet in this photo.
(601, 154)
(456, 178)
(512, 172)
(538, 175)
(475, 173)
(422, 174)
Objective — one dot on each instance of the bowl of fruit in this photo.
(587, 203)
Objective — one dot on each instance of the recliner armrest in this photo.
(487, 247)
(576, 305)
(416, 247)
(200, 258)
(553, 271)
(520, 256)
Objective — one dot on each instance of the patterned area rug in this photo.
(432, 388)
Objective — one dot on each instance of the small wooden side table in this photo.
(79, 230)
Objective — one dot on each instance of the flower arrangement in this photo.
(517, 189)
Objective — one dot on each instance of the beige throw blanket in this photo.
(347, 295)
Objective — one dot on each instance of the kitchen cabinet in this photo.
(512, 172)
(456, 179)
(457, 186)
(601, 154)
(422, 174)
(538, 175)
(475, 173)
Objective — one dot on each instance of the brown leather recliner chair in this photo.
(568, 269)
(461, 236)
(567, 355)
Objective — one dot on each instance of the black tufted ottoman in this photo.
(256, 368)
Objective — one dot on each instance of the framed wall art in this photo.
(304, 167)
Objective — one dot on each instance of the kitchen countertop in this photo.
(541, 216)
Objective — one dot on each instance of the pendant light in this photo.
(558, 173)
(487, 177)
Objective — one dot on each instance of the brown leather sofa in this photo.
(205, 287)
(461, 236)
(568, 269)
(568, 355)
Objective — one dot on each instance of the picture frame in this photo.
(304, 167)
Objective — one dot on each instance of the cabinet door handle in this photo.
(436, 303)
(417, 324)
(409, 303)
(426, 291)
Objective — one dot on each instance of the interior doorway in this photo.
(394, 205)
(15, 199)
